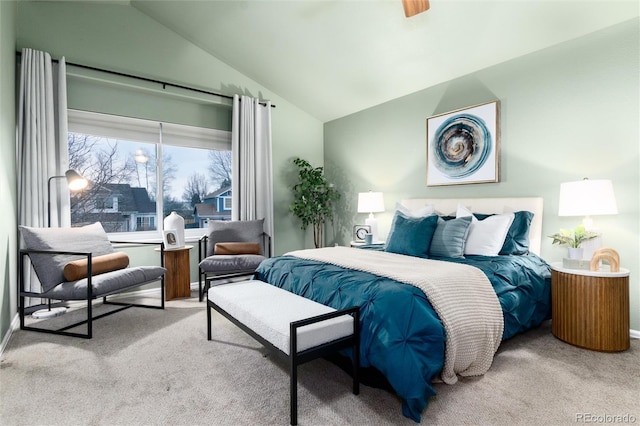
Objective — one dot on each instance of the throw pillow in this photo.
(486, 237)
(449, 237)
(77, 269)
(425, 211)
(236, 248)
(517, 241)
(411, 235)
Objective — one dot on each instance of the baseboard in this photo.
(635, 334)
(15, 324)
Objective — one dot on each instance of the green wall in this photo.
(8, 245)
(567, 112)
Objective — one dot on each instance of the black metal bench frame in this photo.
(295, 358)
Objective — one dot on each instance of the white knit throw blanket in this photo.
(461, 295)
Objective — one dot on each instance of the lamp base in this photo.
(49, 313)
(373, 224)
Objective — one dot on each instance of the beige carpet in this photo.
(149, 367)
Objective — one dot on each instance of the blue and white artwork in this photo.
(462, 146)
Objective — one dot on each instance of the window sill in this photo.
(190, 236)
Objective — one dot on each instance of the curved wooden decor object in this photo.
(413, 7)
(605, 253)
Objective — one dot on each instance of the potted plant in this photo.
(573, 239)
(313, 199)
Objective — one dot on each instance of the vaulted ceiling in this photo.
(334, 58)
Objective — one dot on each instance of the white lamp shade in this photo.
(370, 202)
(587, 198)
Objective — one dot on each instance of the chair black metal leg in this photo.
(208, 321)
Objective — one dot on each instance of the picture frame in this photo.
(359, 231)
(170, 239)
(463, 146)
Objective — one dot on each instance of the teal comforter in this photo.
(401, 335)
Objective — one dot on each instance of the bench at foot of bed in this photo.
(296, 328)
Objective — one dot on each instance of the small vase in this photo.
(175, 222)
(575, 252)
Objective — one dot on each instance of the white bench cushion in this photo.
(268, 310)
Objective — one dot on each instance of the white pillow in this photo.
(486, 237)
(425, 211)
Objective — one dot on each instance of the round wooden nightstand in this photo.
(590, 309)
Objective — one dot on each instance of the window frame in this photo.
(155, 132)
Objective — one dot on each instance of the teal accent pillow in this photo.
(517, 241)
(411, 235)
(449, 237)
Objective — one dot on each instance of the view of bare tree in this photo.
(220, 168)
(197, 188)
(101, 165)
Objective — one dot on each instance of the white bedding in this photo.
(460, 294)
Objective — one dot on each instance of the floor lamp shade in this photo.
(75, 182)
(371, 202)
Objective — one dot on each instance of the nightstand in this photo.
(590, 309)
(378, 245)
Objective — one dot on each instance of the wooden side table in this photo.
(590, 309)
(177, 279)
(374, 245)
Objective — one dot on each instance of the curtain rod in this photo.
(150, 80)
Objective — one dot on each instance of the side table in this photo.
(376, 245)
(177, 279)
(590, 309)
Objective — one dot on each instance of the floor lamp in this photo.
(75, 183)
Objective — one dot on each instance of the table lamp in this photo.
(371, 202)
(587, 198)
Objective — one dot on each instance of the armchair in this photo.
(79, 264)
(231, 249)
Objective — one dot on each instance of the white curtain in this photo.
(252, 177)
(41, 141)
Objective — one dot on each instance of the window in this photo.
(142, 170)
(227, 203)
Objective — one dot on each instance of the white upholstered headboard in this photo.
(448, 206)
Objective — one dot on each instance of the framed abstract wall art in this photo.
(463, 146)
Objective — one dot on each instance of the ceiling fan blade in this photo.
(413, 7)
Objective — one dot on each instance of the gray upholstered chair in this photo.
(80, 264)
(231, 249)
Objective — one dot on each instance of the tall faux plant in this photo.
(313, 199)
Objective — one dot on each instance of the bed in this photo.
(438, 300)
